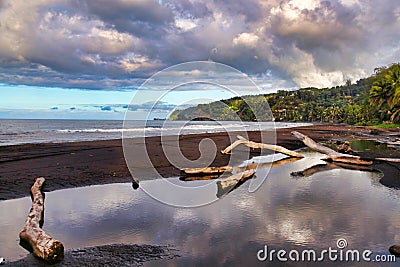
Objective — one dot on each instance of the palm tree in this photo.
(385, 91)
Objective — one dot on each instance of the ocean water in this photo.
(13, 132)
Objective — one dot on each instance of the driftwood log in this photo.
(251, 144)
(43, 246)
(332, 155)
(335, 156)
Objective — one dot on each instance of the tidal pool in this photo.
(286, 212)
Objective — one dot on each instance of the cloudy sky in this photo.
(58, 55)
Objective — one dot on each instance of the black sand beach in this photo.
(75, 164)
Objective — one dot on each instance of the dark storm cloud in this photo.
(117, 44)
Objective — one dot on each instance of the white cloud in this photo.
(185, 24)
(246, 39)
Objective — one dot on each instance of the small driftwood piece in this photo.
(233, 180)
(332, 155)
(226, 185)
(251, 144)
(207, 170)
(43, 246)
(388, 160)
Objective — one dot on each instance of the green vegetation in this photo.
(370, 101)
(387, 125)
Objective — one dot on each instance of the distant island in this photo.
(374, 100)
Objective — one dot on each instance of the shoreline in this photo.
(84, 163)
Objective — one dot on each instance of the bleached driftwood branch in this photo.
(335, 156)
(388, 160)
(332, 155)
(43, 246)
(251, 144)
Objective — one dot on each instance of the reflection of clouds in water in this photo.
(285, 212)
(290, 231)
(78, 204)
(12, 218)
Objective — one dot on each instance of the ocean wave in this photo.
(196, 127)
(120, 130)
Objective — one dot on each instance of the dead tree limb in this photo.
(251, 144)
(332, 155)
(335, 156)
(43, 246)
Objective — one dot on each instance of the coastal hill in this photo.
(372, 100)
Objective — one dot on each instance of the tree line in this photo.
(369, 101)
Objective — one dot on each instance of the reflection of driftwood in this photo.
(330, 166)
(43, 246)
(199, 178)
(207, 170)
(251, 144)
(332, 155)
(314, 169)
(231, 181)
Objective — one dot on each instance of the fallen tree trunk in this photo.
(332, 155)
(251, 144)
(43, 246)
